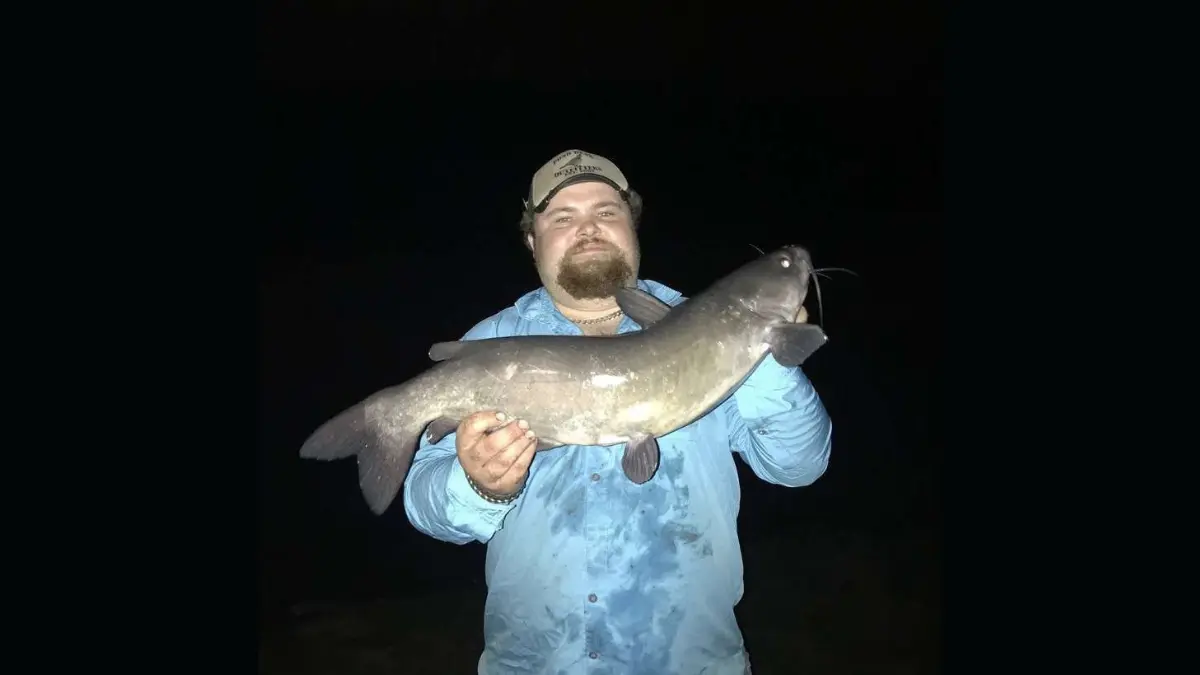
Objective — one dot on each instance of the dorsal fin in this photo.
(441, 351)
(642, 307)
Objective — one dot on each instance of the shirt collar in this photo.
(536, 305)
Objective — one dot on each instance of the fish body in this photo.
(588, 390)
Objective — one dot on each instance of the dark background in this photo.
(396, 146)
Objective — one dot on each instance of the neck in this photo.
(587, 310)
(593, 317)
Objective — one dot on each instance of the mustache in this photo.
(584, 244)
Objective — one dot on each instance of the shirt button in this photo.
(592, 597)
(593, 655)
(595, 477)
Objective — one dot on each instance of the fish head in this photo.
(775, 286)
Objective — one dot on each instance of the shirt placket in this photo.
(599, 532)
(599, 529)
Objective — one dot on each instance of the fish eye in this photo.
(785, 262)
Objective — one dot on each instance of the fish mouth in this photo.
(779, 319)
(776, 313)
(776, 318)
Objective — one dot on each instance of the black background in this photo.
(395, 148)
(153, 163)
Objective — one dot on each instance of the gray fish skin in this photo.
(589, 390)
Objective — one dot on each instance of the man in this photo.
(588, 572)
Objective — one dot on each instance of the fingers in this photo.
(500, 439)
(496, 450)
(520, 466)
(802, 315)
(473, 427)
(508, 452)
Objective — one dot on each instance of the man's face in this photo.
(583, 242)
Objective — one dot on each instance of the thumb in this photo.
(474, 426)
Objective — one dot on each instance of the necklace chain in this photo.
(602, 319)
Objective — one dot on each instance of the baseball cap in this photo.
(572, 166)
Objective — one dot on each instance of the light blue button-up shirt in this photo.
(588, 572)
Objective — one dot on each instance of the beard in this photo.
(596, 277)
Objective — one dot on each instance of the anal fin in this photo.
(640, 461)
(440, 428)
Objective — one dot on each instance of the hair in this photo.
(632, 198)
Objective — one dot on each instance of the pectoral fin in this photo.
(640, 461)
(642, 307)
(793, 343)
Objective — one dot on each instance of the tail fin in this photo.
(383, 434)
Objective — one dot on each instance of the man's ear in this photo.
(529, 241)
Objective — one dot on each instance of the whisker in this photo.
(819, 273)
(836, 269)
(760, 251)
(820, 305)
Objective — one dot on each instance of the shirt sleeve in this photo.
(778, 424)
(437, 498)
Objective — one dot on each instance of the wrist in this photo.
(493, 497)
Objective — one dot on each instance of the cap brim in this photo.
(579, 178)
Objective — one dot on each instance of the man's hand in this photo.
(495, 452)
